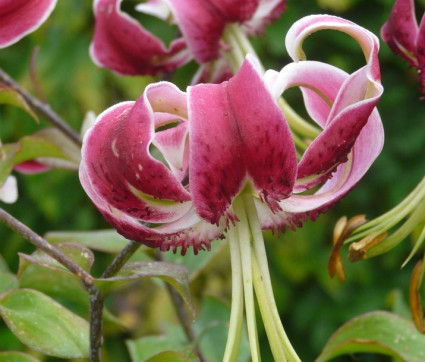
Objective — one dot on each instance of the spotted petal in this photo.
(121, 44)
(350, 107)
(237, 133)
(186, 231)
(118, 163)
(400, 32)
(367, 143)
(21, 17)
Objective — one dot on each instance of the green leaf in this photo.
(172, 356)
(196, 263)
(108, 241)
(13, 356)
(159, 348)
(44, 325)
(377, 332)
(7, 155)
(212, 326)
(58, 138)
(41, 272)
(176, 275)
(77, 253)
(3, 264)
(35, 146)
(8, 281)
(13, 98)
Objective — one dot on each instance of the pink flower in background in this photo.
(123, 45)
(165, 170)
(21, 17)
(403, 35)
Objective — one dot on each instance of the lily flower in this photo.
(21, 17)
(123, 45)
(403, 35)
(179, 170)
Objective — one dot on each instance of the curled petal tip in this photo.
(121, 44)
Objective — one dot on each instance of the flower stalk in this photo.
(250, 273)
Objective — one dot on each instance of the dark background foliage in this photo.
(312, 304)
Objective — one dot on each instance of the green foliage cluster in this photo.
(312, 304)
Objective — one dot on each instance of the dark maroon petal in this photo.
(21, 17)
(202, 22)
(121, 44)
(237, 133)
(401, 30)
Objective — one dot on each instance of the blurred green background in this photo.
(311, 304)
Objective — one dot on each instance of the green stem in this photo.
(236, 314)
(245, 249)
(269, 323)
(265, 296)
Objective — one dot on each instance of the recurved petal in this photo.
(188, 230)
(366, 149)
(121, 169)
(349, 114)
(400, 32)
(340, 103)
(202, 22)
(21, 17)
(237, 133)
(304, 27)
(267, 11)
(121, 44)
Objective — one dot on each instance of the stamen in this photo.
(415, 298)
(342, 231)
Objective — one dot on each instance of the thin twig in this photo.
(96, 324)
(121, 259)
(184, 318)
(42, 108)
(97, 300)
(49, 249)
